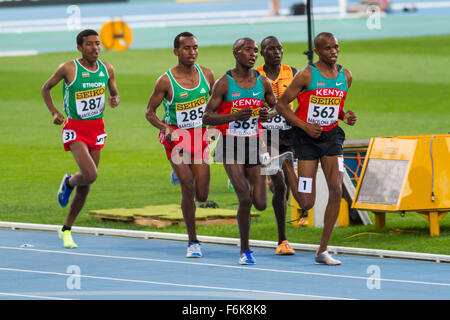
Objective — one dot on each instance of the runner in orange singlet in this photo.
(279, 133)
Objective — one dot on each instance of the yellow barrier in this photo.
(308, 221)
(406, 173)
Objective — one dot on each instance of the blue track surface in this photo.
(34, 265)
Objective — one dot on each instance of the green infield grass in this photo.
(400, 87)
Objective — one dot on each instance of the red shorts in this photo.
(90, 132)
(192, 141)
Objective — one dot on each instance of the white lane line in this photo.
(208, 15)
(30, 296)
(134, 18)
(15, 53)
(161, 21)
(250, 268)
(175, 284)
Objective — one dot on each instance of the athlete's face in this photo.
(273, 52)
(328, 50)
(90, 49)
(187, 52)
(247, 53)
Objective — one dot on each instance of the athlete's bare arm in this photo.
(300, 82)
(270, 99)
(294, 71)
(209, 75)
(65, 71)
(219, 93)
(349, 117)
(348, 77)
(114, 98)
(162, 90)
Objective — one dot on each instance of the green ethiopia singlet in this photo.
(186, 108)
(84, 98)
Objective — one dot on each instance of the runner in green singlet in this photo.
(85, 83)
(184, 91)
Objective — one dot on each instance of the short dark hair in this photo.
(266, 40)
(85, 33)
(176, 41)
(319, 37)
(240, 42)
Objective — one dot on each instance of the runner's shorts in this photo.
(192, 142)
(90, 132)
(242, 150)
(281, 140)
(328, 144)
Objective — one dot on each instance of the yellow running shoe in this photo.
(66, 237)
(284, 249)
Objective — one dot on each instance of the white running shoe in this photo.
(326, 258)
(194, 250)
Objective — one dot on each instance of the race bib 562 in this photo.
(323, 110)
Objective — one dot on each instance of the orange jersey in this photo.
(279, 85)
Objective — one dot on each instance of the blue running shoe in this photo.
(64, 191)
(174, 179)
(247, 257)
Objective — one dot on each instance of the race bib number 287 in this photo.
(90, 103)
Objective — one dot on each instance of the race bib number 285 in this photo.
(189, 114)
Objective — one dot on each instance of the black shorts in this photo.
(241, 150)
(328, 144)
(281, 140)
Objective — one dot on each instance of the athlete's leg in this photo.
(307, 170)
(187, 184)
(290, 177)
(201, 174)
(236, 174)
(279, 190)
(303, 186)
(288, 167)
(334, 178)
(258, 187)
(87, 162)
